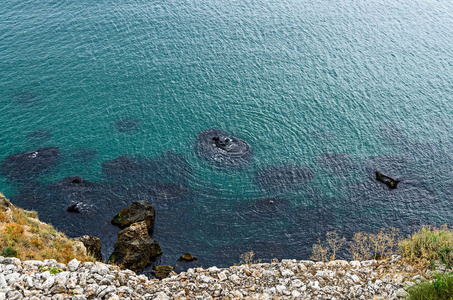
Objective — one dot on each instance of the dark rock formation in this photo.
(23, 166)
(283, 178)
(75, 208)
(222, 149)
(77, 193)
(187, 257)
(135, 248)
(162, 272)
(138, 211)
(93, 245)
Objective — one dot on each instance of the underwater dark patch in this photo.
(39, 136)
(222, 149)
(26, 98)
(127, 125)
(284, 178)
(24, 166)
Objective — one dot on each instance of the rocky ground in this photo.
(288, 279)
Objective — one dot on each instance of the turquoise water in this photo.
(372, 80)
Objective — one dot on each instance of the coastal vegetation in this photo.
(24, 236)
(429, 247)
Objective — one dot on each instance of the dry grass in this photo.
(22, 231)
(363, 245)
(428, 245)
(327, 250)
(247, 258)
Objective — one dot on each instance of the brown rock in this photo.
(135, 248)
(187, 257)
(138, 211)
(93, 245)
(162, 272)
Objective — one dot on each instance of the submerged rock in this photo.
(138, 211)
(222, 149)
(26, 98)
(39, 135)
(77, 193)
(93, 245)
(23, 166)
(283, 178)
(169, 167)
(127, 125)
(135, 248)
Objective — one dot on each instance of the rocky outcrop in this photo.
(135, 248)
(137, 212)
(187, 257)
(222, 149)
(92, 244)
(162, 272)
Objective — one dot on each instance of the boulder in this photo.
(93, 245)
(187, 257)
(138, 211)
(162, 272)
(135, 248)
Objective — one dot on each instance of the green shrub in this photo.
(9, 252)
(429, 244)
(439, 289)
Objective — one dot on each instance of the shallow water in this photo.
(336, 89)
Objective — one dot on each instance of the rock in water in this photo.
(135, 248)
(138, 211)
(23, 166)
(162, 272)
(93, 245)
(222, 149)
(187, 257)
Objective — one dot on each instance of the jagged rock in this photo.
(162, 272)
(138, 211)
(187, 257)
(222, 149)
(135, 248)
(93, 245)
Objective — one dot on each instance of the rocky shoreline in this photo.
(288, 279)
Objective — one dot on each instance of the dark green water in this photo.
(368, 81)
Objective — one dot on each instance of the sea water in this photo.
(341, 88)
